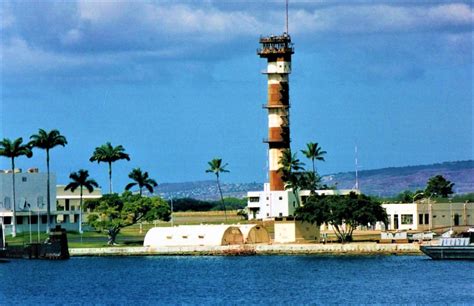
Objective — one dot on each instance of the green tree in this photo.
(438, 186)
(108, 154)
(343, 213)
(314, 152)
(231, 203)
(46, 141)
(142, 180)
(405, 197)
(289, 167)
(216, 167)
(463, 198)
(189, 204)
(112, 212)
(310, 181)
(289, 163)
(81, 180)
(13, 149)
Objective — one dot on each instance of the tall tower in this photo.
(277, 50)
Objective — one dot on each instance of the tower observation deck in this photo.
(277, 50)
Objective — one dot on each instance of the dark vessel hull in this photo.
(449, 252)
(56, 247)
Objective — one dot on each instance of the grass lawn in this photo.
(132, 235)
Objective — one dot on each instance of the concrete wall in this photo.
(330, 248)
(289, 231)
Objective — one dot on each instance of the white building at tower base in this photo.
(270, 204)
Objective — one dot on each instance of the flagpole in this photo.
(31, 239)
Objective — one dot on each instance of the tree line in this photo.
(190, 204)
(112, 212)
(437, 188)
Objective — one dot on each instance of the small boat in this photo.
(461, 247)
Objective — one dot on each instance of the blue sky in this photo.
(178, 83)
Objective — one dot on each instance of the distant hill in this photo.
(205, 190)
(380, 182)
(391, 181)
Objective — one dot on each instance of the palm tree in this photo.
(46, 141)
(216, 167)
(108, 154)
(81, 180)
(289, 163)
(314, 152)
(13, 149)
(289, 167)
(142, 180)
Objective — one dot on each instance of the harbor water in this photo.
(238, 280)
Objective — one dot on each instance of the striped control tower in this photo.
(277, 50)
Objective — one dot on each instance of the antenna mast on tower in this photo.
(287, 17)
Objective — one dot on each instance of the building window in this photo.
(280, 198)
(420, 218)
(254, 199)
(19, 220)
(280, 214)
(7, 220)
(34, 219)
(407, 219)
(427, 219)
(44, 219)
(67, 204)
(23, 179)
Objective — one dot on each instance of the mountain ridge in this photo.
(383, 182)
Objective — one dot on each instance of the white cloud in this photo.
(72, 36)
(363, 18)
(170, 19)
(7, 18)
(98, 33)
(456, 14)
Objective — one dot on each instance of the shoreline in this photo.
(335, 249)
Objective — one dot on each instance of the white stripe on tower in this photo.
(274, 159)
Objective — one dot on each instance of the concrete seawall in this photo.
(258, 249)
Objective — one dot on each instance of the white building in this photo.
(426, 215)
(30, 191)
(68, 203)
(269, 204)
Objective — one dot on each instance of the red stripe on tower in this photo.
(277, 50)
